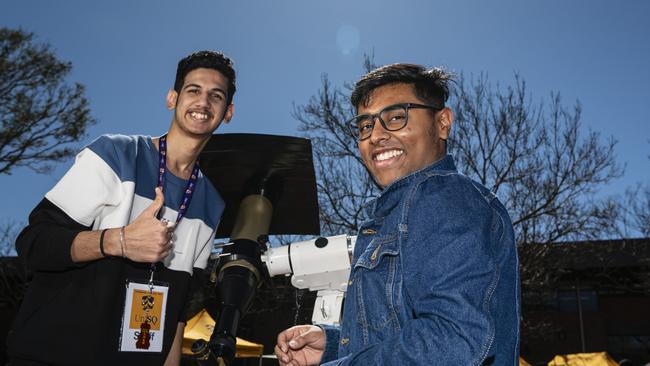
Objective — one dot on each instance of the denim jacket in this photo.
(434, 278)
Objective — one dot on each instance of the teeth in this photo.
(388, 154)
(197, 115)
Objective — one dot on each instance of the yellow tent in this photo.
(201, 327)
(523, 362)
(583, 359)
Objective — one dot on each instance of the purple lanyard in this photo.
(191, 183)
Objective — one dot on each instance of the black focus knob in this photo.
(321, 242)
(263, 239)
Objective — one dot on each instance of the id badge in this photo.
(143, 323)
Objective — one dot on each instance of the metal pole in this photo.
(582, 326)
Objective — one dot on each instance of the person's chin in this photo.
(389, 171)
(202, 129)
(385, 179)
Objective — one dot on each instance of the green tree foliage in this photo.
(40, 114)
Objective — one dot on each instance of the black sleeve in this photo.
(44, 245)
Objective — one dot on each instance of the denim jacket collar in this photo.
(392, 194)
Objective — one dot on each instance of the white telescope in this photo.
(321, 265)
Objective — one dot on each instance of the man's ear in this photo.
(229, 112)
(172, 98)
(445, 119)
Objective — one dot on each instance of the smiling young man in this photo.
(113, 246)
(434, 277)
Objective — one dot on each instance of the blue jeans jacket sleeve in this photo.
(458, 275)
(332, 336)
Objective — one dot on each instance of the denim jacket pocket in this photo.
(377, 284)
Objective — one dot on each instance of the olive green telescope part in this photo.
(280, 168)
(253, 218)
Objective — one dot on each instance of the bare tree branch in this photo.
(344, 185)
(536, 159)
(8, 231)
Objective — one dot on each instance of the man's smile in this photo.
(200, 116)
(384, 155)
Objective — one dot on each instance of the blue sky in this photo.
(125, 52)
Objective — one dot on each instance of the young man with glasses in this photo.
(434, 277)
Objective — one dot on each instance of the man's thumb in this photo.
(298, 342)
(157, 202)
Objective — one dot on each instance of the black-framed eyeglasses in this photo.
(392, 118)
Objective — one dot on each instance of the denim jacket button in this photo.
(345, 341)
(369, 231)
(350, 282)
(374, 254)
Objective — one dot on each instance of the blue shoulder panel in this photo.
(116, 151)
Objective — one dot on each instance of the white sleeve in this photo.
(86, 188)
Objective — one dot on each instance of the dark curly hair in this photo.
(431, 86)
(209, 60)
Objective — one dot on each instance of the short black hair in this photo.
(431, 86)
(210, 60)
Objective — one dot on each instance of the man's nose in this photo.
(203, 100)
(378, 133)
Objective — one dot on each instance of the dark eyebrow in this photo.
(199, 86)
(385, 108)
(219, 90)
(192, 86)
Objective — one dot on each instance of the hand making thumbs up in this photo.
(148, 239)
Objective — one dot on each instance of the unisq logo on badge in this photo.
(144, 318)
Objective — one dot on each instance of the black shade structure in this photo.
(281, 167)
